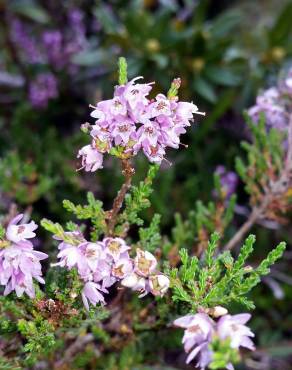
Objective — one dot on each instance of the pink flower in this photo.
(116, 248)
(233, 327)
(19, 233)
(145, 263)
(158, 284)
(91, 158)
(122, 268)
(72, 256)
(19, 262)
(134, 122)
(198, 333)
(91, 292)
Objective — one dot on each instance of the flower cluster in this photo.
(144, 277)
(19, 262)
(54, 48)
(275, 103)
(201, 330)
(132, 122)
(103, 263)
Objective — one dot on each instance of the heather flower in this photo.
(199, 329)
(145, 263)
(19, 233)
(133, 122)
(19, 262)
(91, 158)
(72, 256)
(159, 284)
(116, 248)
(53, 42)
(233, 327)
(275, 103)
(136, 283)
(228, 180)
(92, 293)
(122, 268)
(43, 89)
(25, 43)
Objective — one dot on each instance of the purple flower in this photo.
(233, 327)
(19, 262)
(134, 122)
(19, 233)
(43, 89)
(199, 329)
(145, 263)
(25, 43)
(228, 180)
(158, 284)
(92, 293)
(91, 158)
(53, 42)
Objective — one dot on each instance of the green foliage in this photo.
(223, 354)
(93, 211)
(40, 338)
(138, 199)
(265, 158)
(58, 231)
(123, 77)
(6, 364)
(150, 237)
(219, 280)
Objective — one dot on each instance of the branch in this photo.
(128, 171)
(278, 187)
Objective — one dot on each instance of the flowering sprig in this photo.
(131, 122)
(201, 281)
(202, 335)
(19, 262)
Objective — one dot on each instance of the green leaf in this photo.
(205, 89)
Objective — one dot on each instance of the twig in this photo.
(128, 171)
(77, 346)
(276, 188)
(243, 230)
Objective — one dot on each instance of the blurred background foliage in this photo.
(57, 57)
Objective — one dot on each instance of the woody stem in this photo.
(128, 171)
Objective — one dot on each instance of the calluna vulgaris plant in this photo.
(191, 278)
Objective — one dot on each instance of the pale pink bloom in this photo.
(94, 254)
(19, 265)
(145, 263)
(91, 158)
(158, 284)
(234, 327)
(134, 93)
(19, 233)
(136, 283)
(122, 268)
(116, 248)
(92, 293)
(155, 154)
(199, 329)
(118, 107)
(72, 256)
(122, 130)
(161, 106)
